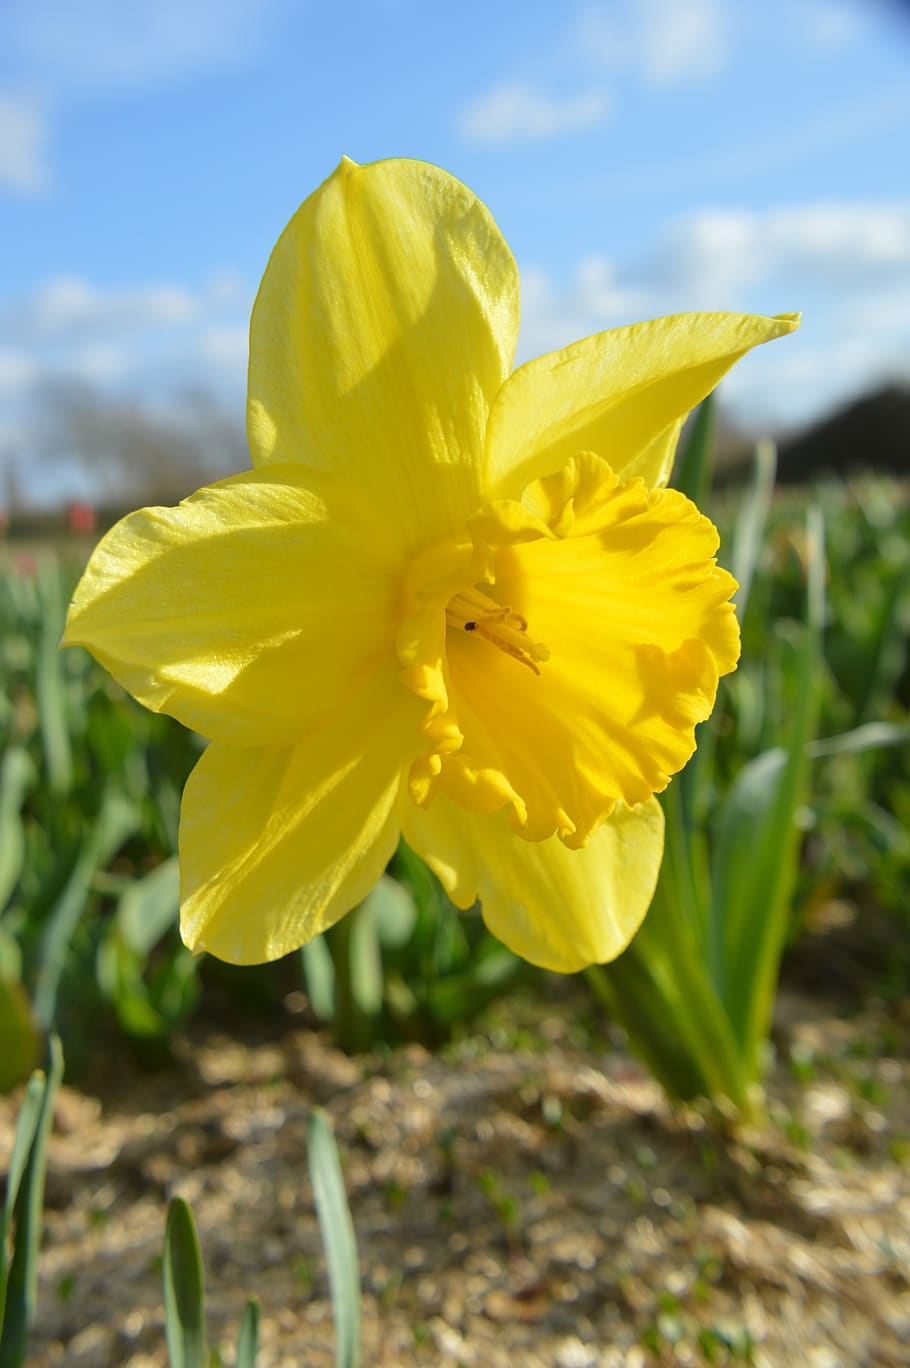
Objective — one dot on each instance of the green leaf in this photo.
(692, 475)
(21, 1040)
(26, 1126)
(462, 994)
(184, 1289)
(756, 852)
(248, 1339)
(358, 981)
(392, 905)
(319, 977)
(149, 907)
(17, 773)
(49, 683)
(365, 961)
(337, 1237)
(870, 736)
(23, 1209)
(117, 819)
(749, 535)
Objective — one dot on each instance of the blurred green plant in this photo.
(338, 1237)
(90, 790)
(406, 964)
(184, 1297)
(182, 1271)
(184, 1280)
(89, 799)
(696, 988)
(20, 1225)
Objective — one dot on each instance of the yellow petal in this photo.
(250, 612)
(385, 323)
(622, 394)
(277, 843)
(562, 909)
(633, 615)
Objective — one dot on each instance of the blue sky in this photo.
(641, 156)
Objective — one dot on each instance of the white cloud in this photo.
(227, 347)
(514, 111)
(718, 256)
(593, 300)
(106, 42)
(23, 139)
(17, 372)
(793, 382)
(98, 363)
(154, 341)
(664, 42)
(69, 307)
(846, 265)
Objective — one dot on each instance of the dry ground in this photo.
(527, 1199)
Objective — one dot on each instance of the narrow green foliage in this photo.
(20, 1037)
(337, 1236)
(50, 683)
(248, 1338)
(17, 774)
(116, 820)
(184, 1289)
(696, 461)
(405, 964)
(89, 796)
(184, 1283)
(695, 989)
(319, 977)
(23, 1207)
(751, 522)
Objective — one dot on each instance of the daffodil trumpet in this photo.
(451, 599)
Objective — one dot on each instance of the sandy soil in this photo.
(526, 1199)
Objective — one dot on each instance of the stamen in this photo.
(473, 611)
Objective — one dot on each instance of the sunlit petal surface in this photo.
(559, 908)
(622, 394)
(277, 843)
(385, 323)
(449, 599)
(250, 611)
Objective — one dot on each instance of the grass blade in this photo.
(868, 736)
(50, 685)
(337, 1237)
(26, 1126)
(693, 472)
(755, 856)
(16, 775)
(248, 1338)
(23, 1209)
(184, 1289)
(117, 819)
(21, 1050)
(319, 977)
(749, 535)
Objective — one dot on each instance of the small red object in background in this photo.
(81, 517)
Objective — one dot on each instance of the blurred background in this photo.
(641, 157)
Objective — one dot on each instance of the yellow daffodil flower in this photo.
(449, 600)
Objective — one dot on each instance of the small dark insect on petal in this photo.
(469, 626)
